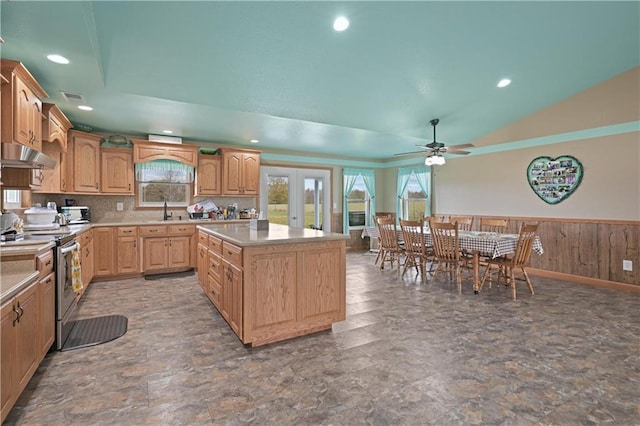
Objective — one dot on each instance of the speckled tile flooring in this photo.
(408, 353)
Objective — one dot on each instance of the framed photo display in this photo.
(554, 179)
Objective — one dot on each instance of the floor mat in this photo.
(169, 275)
(94, 331)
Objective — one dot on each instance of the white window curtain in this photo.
(349, 177)
(423, 176)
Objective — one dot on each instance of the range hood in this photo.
(18, 156)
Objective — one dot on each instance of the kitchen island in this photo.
(273, 284)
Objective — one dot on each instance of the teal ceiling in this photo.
(228, 72)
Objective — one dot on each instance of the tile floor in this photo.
(408, 353)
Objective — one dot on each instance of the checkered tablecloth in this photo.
(486, 243)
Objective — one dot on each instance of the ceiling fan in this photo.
(437, 149)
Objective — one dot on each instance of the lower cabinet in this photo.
(20, 341)
(232, 296)
(87, 260)
(103, 259)
(127, 250)
(166, 247)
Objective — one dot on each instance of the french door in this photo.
(299, 198)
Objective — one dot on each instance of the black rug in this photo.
(169, 275)
(94, 331)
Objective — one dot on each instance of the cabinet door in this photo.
(155, 253)
(251, 174)
(232, 294)
(27, 337)
(103, 251)
(127, 255)
(232, 173)
(117, 171)
(202, 266)
(214, 281)
(87, 263)
(179, 248)
(7, 351)
(51, 181)
(86, 163)
(36, 123)
(209, 176)
(22, 113)
(47, 313)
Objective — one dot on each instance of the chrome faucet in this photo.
(166, 215)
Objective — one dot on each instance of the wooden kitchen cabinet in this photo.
(21, 108)
(87, 258)
(103, 260)
(232, 295)
(117, 171)
(209, 175)
(240, 172)
(20, 341)
(201, 266)
(55, 126)
(84, 155)
(47, 301)
(127, 250)
(145, 151)
(166, 247)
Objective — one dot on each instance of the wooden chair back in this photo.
(388, 234)
(526, 237)
(445, 241)
(464, 222)
(413, 236)
(493, 225)
(437, 218)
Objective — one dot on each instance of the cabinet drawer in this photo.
(232, 253)
(215, 266)
(127, 231)
(203, 238)
(214, 291)
(182, 229)
(44, 263)
(215, 244)
(152, 231)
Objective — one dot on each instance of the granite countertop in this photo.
(25, 247)
(141, 221)
(241, 235)
(16, 275)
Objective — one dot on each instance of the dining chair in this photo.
(390, 248)
(519, 260)
(464, 222)
(417, 252)
(493, 225)
(447, 251)
(437, 218)
(374, 220)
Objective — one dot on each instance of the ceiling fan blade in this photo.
(455, 151)
(410, 152)
(463, 145)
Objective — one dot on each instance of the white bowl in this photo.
(40, 216)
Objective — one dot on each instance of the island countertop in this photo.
(242, 235)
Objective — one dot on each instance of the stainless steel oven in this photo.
(66, 300)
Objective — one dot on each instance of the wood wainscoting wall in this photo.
(584, 251)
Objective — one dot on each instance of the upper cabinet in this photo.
(117, 171)
(145, 151)
(21, 106)
(83, 158)
(208, 176)
(55, 126)
(240, 172)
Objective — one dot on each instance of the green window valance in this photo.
(165, 171)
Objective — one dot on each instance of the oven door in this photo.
(66, 297)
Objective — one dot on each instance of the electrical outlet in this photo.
(119, 207)
(627, 265)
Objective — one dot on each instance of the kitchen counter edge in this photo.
(242, 235)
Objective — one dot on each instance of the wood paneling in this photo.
(584, 248)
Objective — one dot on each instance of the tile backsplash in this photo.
(103, 207)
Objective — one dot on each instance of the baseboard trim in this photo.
(585, 280)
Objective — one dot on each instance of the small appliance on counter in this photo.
(76, 214)
(11, 226)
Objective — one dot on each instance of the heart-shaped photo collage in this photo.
(554, 179)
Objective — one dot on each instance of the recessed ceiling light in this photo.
(254, 141)
(504, 82)
(85, 108)
(341, 23)
(58, 59)
(168, 132)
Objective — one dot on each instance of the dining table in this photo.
(478, 243)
